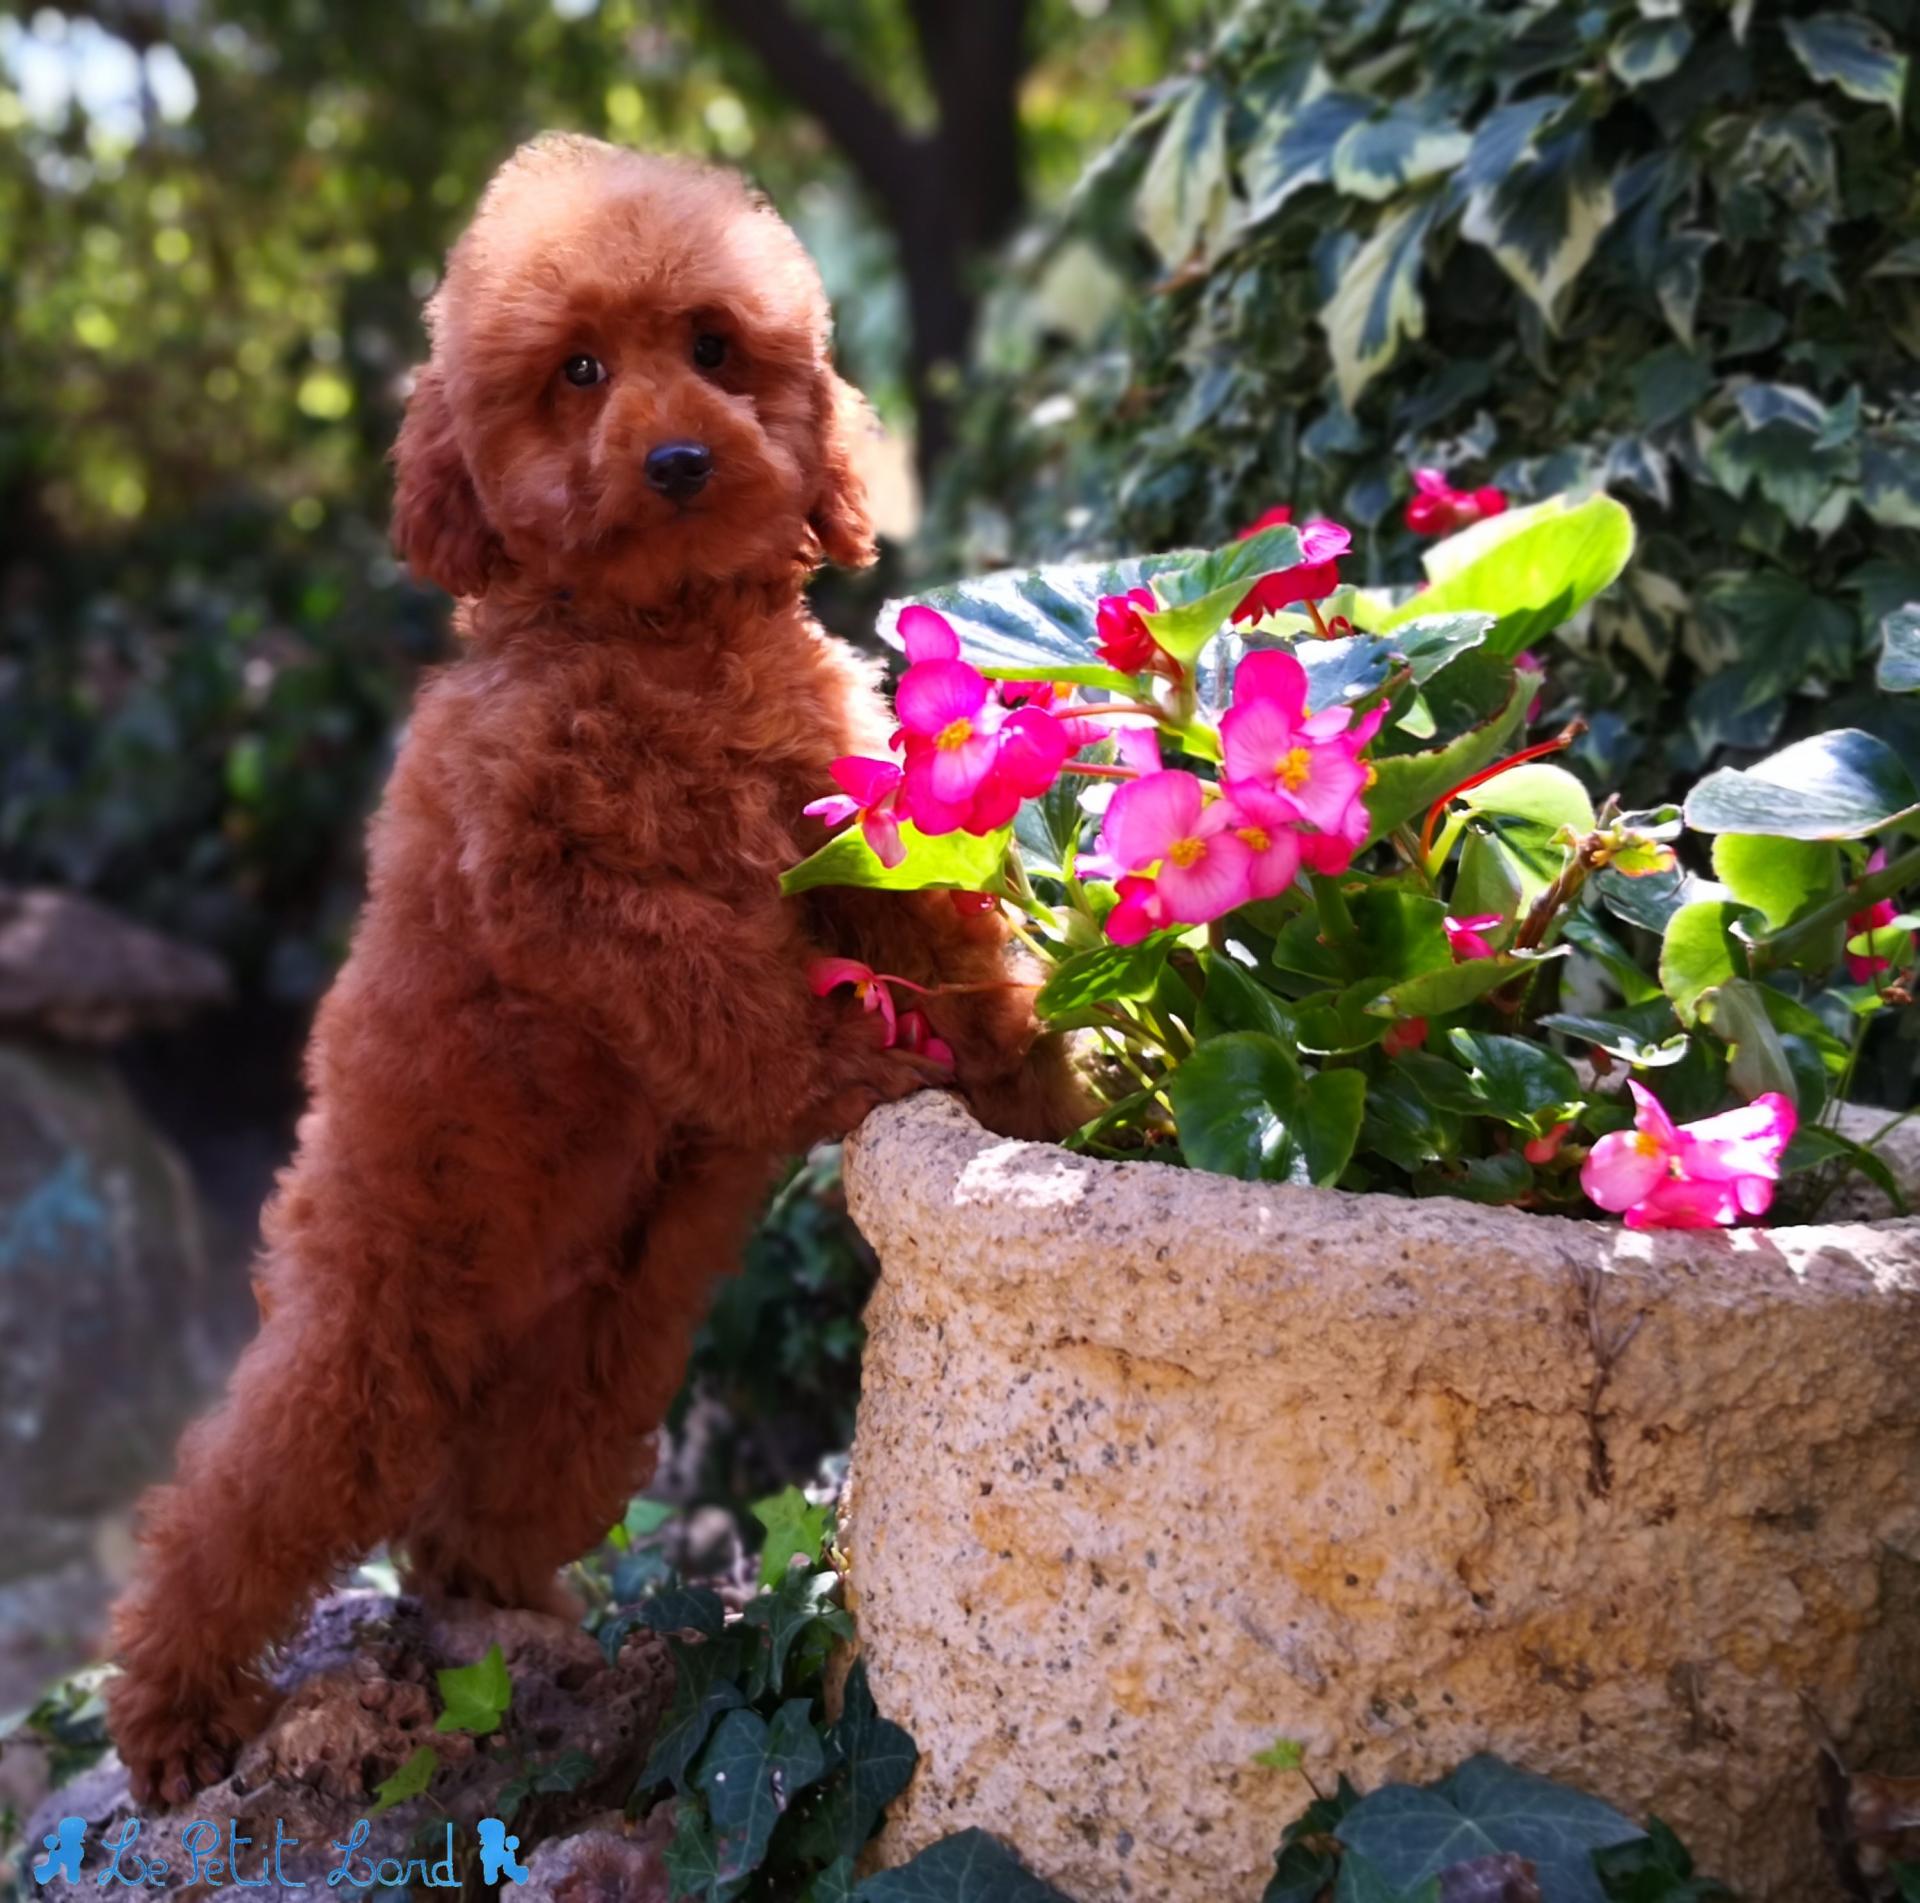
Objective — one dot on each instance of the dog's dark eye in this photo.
(709, 350)
(584, 370)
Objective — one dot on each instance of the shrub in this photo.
(1668, 248)
(1338, 920)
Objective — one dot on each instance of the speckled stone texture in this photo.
(1154, 1467)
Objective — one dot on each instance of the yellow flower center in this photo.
(956, 733)
(1646, 1144)
(1294, 768)
(1257, 837)
(1187, 852)
(1373, 775)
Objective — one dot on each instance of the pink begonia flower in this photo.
(1313, 579)
(927, 635)
(1529, 663)
(917, 1034)
(1185, 863)
(1869, 964)
(1263, 822)
(1270, 739)
(869, 986)
(1464, 938)
(1438, 508)
(970, 761)
(873, 789)
(970, 757)
(1545, 1149)
(1701, 1175)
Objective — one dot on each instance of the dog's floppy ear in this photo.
(839, 514)
(439, 528)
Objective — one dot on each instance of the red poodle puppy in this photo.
(575, 1033)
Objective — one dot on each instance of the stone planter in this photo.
(1154, 1467)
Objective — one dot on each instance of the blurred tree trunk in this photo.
(949, 194)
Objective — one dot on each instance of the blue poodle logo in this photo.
(496, 1852)
(65, 1848)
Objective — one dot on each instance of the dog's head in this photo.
(629, 388)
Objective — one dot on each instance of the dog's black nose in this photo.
(679, 470)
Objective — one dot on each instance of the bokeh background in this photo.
(1116, 274)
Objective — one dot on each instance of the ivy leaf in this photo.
(879, 1758)
(1839, 785)
(962, 862)
(554, 1778)
(1184, 196)
(1852, 52)
(834, 1884)
(1379, 157)
(796, 1529)
(1103, 973)
(705, 1684)
(797, 1601)
(644, 1518)
(684, 1609)
(1377, 303)
(1244, 1109)
(409, 1780)
(1199, 594)
(475, 1697)
(1701, 952)
(1295, 150)
(749, 1773)
(1505, 140)
(968, 1867)
(1035, 623)
(1543, 220)
(1485, 1808)
(692, 1859)
(1899, 669)
(1650, 50)
(1283, 1754)
(1532, 568)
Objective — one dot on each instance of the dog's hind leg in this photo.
(313, 1456)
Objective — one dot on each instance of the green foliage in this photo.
(794, 1528)
(410, 1780)
(1666, 252)
(1424, 1843)
(474, 1698)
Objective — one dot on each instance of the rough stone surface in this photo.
(1154, 1467)
(106, 1300)
(607, 1861)
(359, 1701)
(74, 969)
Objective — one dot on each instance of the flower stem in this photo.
(1094, 770)
(1780, 948)
(1564, 738)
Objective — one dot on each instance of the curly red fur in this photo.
(574, 1035)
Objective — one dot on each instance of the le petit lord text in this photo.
(216, 1860)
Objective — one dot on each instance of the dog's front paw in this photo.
(172, 1746)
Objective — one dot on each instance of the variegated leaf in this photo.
(1890, 479)
(1295, 150)
(1378, 157)
(1505, 138)
(1184, 197)
(1543, 223)
(1650, 50)
(1852, 52)
(1378, 302)
(1764, 403)
(1677, 277)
